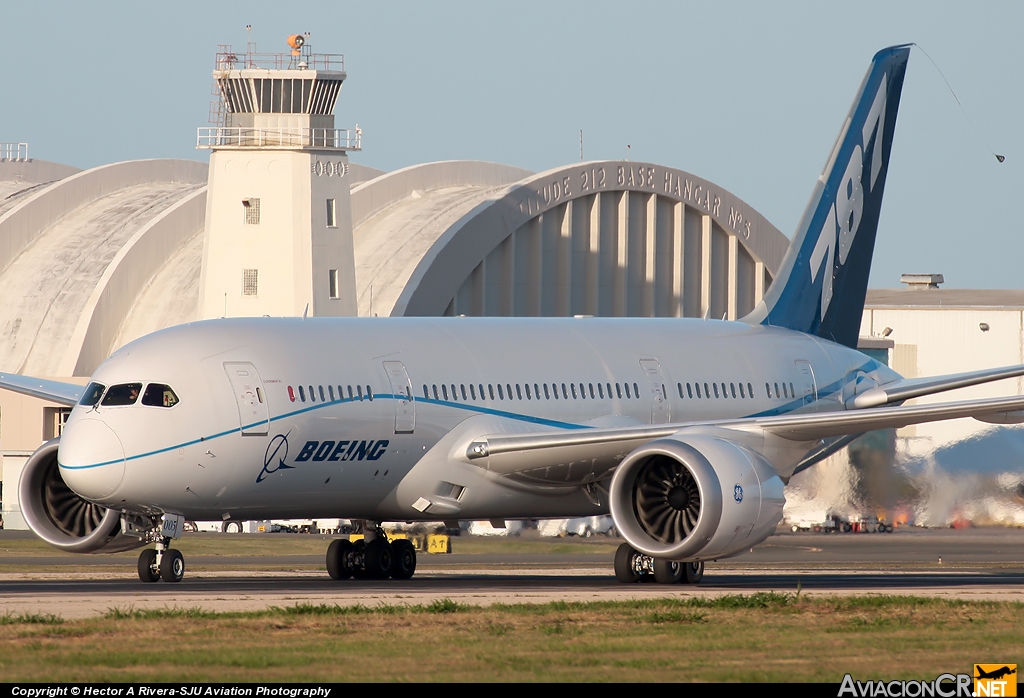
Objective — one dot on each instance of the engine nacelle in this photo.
(60, 517)
(695, 497)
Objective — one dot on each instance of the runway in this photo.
(981, 564)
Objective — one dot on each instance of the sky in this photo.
(749, 95)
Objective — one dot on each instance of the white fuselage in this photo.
(266, 427)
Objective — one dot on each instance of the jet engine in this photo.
(695, 497)
(60, 517)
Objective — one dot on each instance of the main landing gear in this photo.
(161, 562)
(373, 557)
(632, 566)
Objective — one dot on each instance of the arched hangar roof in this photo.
(610, 238)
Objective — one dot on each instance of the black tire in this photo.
(338, 559)
(404, 554)
(378, 559)
(624, 571)
(693, 572)
(172, 566)
(668, 571)
(147, 566)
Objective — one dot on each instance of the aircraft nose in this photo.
(91, 458)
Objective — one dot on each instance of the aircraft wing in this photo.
(909, 388)
(54, 391)
(508, 454)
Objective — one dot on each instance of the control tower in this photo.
(278, 221)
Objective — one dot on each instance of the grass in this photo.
(757, 637)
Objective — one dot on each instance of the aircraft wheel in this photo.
(693, 572)
(147, 566)
(668, 571)
(404, 559)
(624, 570)
(172, 566)
(338, 559)
(378, 559)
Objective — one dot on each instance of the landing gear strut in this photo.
(373, 557)
(632, 566)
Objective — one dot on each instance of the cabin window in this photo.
(481, 386)
(159, 395)
(600, 391)
(618, 390)
(426, 392)
(323, 397)
(741, 391)
(715, 386)
(792, 393)
(689, 391)
(590, 386)
(501, 392)
(369, 393)
(536, 391)
(359, 392)
(547, 393)
(573, 387)
(565, 392)
(472, 391)
(768, 389)
(508, 389)
(777, 393)
(529, 394)
(679, 387)
(636, 390)
(519, 391)
(462, 389)
(92, 394)
(444, 391)
(490, 390)
(302, 394)
(291, 393)
(330, 389)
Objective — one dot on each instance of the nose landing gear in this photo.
(371, 558)
(161, 562)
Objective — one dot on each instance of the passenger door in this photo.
(806, 387)
(660, 409)
(401, 389)
(253, 413)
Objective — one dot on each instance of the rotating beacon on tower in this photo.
(278, 220)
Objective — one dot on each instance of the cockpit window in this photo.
(92, 394)
(159, 395)
(122, 394)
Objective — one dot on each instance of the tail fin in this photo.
(821, 286)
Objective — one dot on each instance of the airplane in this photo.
(685, 430)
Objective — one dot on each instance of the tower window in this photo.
(332, 221)
(252, 211)
(250, 282)
(335, 285)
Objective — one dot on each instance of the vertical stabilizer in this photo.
(821, 286)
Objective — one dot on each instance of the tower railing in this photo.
(17, 152)
(287, 138)
(229, 60)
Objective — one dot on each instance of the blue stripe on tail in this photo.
(821, 286)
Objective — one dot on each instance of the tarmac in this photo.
(975, 564)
